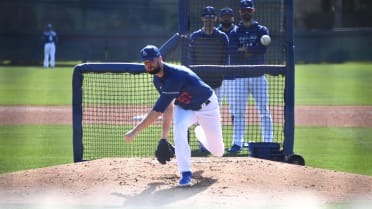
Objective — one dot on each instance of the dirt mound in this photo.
(217, 182)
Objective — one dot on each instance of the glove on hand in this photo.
(164, 151)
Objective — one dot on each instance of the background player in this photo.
(226, 25)
(193, 101)
(246, 49)
(50, 40)
(209, 46)
(227, 20)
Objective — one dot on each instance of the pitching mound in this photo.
(217, 182)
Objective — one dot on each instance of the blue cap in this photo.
(246, 4)
(226, 11)
(149, 52)
(209, 10)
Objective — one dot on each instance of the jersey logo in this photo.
(184, 98)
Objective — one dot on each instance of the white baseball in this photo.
(265, 40)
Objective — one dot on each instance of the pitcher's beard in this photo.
(154, 71)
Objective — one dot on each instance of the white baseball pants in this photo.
(257, 86)
(210, 121)
(49, 53)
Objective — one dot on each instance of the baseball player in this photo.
(246, 49)
(50, 40)
(227, 20)
(209, 46)
(226, 25)
(188, 99)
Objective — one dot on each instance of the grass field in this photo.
(341, 149)
(322, 84)
(334, 84)
(33, 146)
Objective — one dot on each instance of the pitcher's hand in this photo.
(129, 136)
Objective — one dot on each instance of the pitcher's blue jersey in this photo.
(248, 37)
(208, 49)
(182, 84)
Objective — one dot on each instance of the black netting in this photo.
(113, 102)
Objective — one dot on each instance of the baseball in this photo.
(265, 40)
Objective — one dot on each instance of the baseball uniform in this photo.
(248, 38)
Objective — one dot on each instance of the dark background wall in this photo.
(115, 30)
(99, 30)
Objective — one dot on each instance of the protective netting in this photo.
(251, 96)
(113, 103)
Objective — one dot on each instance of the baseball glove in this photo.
(164, 151)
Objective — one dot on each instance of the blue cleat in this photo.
(235, 149)
(185, 179)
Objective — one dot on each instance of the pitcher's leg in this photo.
(209, 119)
(183, 119)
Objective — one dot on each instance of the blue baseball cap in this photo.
(246, 4)
(226, 11)
(149, 52)
(209, 10)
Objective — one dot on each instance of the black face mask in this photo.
(247, 17)
(155, 71)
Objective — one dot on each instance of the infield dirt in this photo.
(217, 183)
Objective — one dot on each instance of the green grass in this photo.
(334, 84)
(316, 84)
(34, 146)
(35, 86)
(341, 149)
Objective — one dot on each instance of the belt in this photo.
(204, 104)
(195, 108)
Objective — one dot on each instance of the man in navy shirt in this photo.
(246, 49)
(226, 25)
(227, 20)
(208, 46)
(186, 98)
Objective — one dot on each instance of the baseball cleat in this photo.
(235, 149)
(185, 179)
